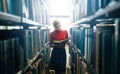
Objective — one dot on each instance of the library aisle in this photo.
(94, 35)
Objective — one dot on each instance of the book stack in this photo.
(8, 55)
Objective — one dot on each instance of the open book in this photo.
(60, 42)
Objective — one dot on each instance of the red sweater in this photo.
(58, 35)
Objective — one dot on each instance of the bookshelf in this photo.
(111, 11)
(102, 33)
(9, 17)
(26, 44)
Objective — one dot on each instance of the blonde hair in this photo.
(55, 23)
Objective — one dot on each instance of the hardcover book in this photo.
(60, 42)
(1, 7)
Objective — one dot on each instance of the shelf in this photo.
(12, 20)
(9, 18)
(111, 11)
(30, 22)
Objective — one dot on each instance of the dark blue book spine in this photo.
(89, 7)
(95, 5)
(78, 38)
(35, 45)
(1, 6)
(1, 58)
(16, 7)
(10, 6)
(117, 47)
(30, 44)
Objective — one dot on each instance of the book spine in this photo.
(1, 58)
(78, 39)
(5, 57)
(17, 51)
(13, 54)
(5, 8)
(95, 52)
(88, 46)
(30, 45)
(9, 6)
(1, 6)
(95, 5)
(17, 7)
(89, 7)
(35, 45)
(31, 9)
(82, 40)
(25, 9)
(117, 47)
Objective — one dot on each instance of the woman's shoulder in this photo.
(65, 31)
(52, 32)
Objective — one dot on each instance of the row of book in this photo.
(9, 56)
(11, 6)
(29, 44)
(30, 9)
(83, 8)
(78, 64)
(104, 49)
(99, 46)
(82, 38)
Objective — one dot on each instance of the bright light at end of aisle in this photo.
(60, 7)
(60, 10)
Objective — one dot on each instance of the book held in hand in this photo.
(60, 42)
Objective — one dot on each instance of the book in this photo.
(25, 12)
(117, 47)
(60, 42)
(9, 6)
(31, 9)
(17, 7)
(5, 9)
(1, 6)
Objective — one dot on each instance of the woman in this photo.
(58, 56)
